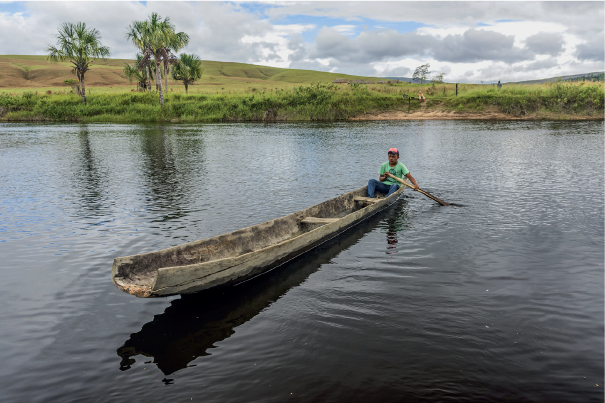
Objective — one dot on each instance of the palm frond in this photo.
(188, 69)
(79, 44)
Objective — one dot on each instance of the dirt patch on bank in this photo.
(486, 114)
(439, 114)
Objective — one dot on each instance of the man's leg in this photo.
(374, 185)
(393, 189)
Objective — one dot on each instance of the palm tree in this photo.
(136, 33)
(156, 39)
(132, 72)
(80, 46)
(167, 62)
(187, 69)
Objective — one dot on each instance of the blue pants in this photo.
(374, 185)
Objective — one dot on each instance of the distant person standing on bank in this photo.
(499, 85)
(393, 167)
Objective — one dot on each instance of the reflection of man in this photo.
(387, 184)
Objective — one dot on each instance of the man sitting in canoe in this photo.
(387, 184)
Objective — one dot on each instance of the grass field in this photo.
(32, 89)
(313, 102)
(19, 74)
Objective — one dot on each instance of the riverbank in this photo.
(491, 113)
(316, 102)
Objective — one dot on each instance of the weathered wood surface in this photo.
(237, 256)
(317, 220)
(366, 199)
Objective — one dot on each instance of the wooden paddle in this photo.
(419, 190)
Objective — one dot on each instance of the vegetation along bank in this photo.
(314, 102)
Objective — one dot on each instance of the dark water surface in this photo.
(499, 300)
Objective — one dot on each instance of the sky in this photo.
(468, 41)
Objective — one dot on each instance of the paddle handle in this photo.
(400, 180)
(419, 190)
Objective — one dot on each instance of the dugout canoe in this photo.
(197, 322)
(235, 257)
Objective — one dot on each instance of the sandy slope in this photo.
(438, 115)
(486, 114)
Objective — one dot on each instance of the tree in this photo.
(167, 62)
(81, 47)
(422, 72)
(133, 72)
(136, 34)
(187, 69)
(176, 42)
(156, 39)
(438, 78)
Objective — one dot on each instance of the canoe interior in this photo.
(136, 274)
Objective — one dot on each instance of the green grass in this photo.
(304, 103)
(218, 76)
(520, 100)
(314, 102)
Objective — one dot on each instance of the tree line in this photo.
(156, 41)
(422, 74)
(594, 77)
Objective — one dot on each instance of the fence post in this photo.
(456, 89)
(409, 100)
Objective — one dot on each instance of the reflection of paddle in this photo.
(419, 190)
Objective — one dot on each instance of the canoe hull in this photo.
(191, 278)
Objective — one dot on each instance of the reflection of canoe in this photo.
(237, 256)
(193, 324)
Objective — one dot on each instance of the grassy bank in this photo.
(565, 98)
(314, 102)
(305, 103)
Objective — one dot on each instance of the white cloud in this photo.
(217, 30)
(345, 29)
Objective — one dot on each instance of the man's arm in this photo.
(410, 177)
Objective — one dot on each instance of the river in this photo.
(500, 298)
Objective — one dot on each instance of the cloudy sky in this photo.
(468, 41)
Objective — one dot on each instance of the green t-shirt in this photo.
(399, 170)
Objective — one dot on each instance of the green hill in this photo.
(595, 76)
(26, 73)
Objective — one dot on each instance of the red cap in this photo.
(393, 150)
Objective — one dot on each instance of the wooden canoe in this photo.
(237, 256)
(197, 322)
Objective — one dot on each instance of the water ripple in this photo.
(498, 299)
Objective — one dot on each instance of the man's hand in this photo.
(387, 174)
(416, 187)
